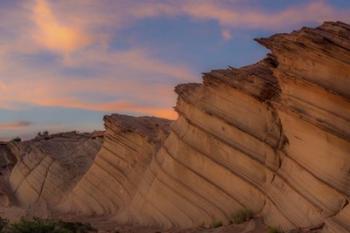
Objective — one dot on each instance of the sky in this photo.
(66, 63)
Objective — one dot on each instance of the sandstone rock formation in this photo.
(8, 157)
(129, 145)
(49, 166)
(272, 137)
(8, 160)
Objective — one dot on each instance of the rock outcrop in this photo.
(272, 137)
(7, 162)
(314, 109)
(8, 158)
(129, 145)
(49, 166)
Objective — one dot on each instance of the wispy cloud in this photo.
(229, 15)
(232, 16)
(15, 125)
(54, 35)
(133, 72)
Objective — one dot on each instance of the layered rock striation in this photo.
(314, 109)
(129, 145)
(49, 166)
(272, 137)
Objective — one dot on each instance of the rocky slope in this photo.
(49, 166)
(272, 137)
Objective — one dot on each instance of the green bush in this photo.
(242, 216)
(216, 224)
(38, 225)
(273, 230)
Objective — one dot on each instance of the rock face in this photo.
(129, 145)
(49, 166)
(7, 161)
(314, 109)
(7, 157)
(272, 137)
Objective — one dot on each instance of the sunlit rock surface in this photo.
(272, 137)
(129, 145)
(314, 109)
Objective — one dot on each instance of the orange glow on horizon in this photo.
(113, 107)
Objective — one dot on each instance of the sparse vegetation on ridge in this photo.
(216, 224)
(273, 230)
(38, 225)
(242, 216)
(3, 224)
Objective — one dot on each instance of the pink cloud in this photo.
(231, 17)
(43, 86)
(67, 25)
(14, 125)
(228, 14)
(226, 34)
(111, 107)
(53, 92)
(53, 34)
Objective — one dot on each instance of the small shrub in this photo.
(273, 230)
(16, 139)
(216, 224)
(38, 225)
(242, 216)
(3, 224)
(77, 227)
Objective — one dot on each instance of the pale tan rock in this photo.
(50, 166)
(111, 182)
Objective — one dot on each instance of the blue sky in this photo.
(64, 64)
